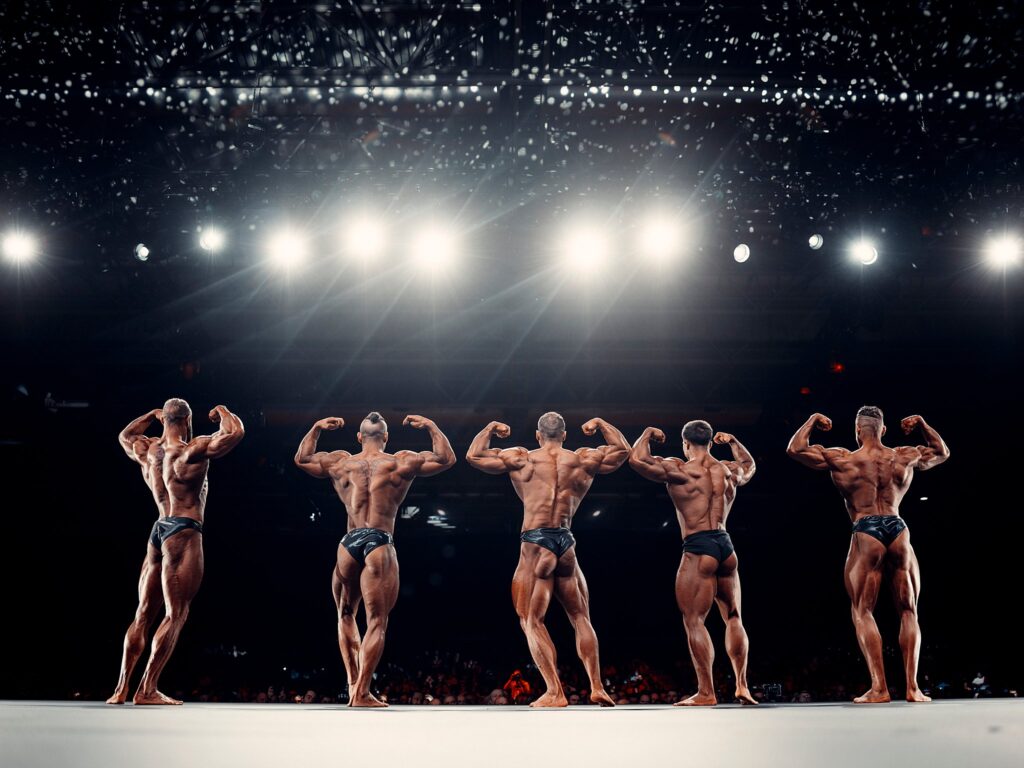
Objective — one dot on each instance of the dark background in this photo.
(93, 164)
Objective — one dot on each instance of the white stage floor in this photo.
(986, 733)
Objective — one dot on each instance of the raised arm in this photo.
(425, 463)
(307, 458)
(607, 458)
(653, 467)
(800, 449)
(495, 461)
(742, 464)
(133, 437)
(220, 443)
(935, 452)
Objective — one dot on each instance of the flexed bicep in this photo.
(219, 444)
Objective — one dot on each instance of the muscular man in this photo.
(174, 467)
(371, 484)
(703, 490)
(552, 482)
(872, 481)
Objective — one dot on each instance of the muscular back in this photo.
(873, 479)
(703, 491)
(371, 485)
(551, 482)
(176, 477)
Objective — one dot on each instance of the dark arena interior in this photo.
(648, 212)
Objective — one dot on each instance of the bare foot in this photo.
(697, 700)
(550, 700)
(369, 700)
(601, 697)
(118, 698)
(873, 697)
(914, 694)
(744, 697)
(153, 698)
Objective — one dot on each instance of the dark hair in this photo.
(551, 425)
(175, 410)
(373, 425)
(872, 412)
(697, 432)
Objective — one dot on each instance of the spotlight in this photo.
(287, 248)
(741, 252)
(434, 248)
(364, 235)
(142, 252)
(815, 241)
(212, 239)
(660, 238)
(864, 251)
(585, 248)
(1003, 252)
(596, 513)
(19, 246)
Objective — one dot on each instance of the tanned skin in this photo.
(703, 490)
(174, 467)
(872, 481)
(552, 482)
(371, 484)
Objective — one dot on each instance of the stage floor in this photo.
(953, 733)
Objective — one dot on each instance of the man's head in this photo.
(178, 415)
(550, 428)
(373, 428)
(696, 434)
(869, 423)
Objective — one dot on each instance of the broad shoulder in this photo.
(838, 454)
(907, 453)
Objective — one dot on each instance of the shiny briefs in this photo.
(362, 541)
(166, 527)
(885, 528)
(557, 540)
(717, 544)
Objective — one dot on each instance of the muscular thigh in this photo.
(378, 581)
(864, 564)
(535, 564)
(902, 570)
(182, 566)
(571, 585)
(696, 583)
(347, 572)
(728, 586)
(151, 595)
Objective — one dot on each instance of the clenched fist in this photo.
(331, 423)
(416, 422)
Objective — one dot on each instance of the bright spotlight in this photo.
(364, 235)
(741, 252)
(19, 246)
(1003, 252)
(142, 252)
(434, 248)
(212, 239)
(864, 251)
(585, 248)
(660, 237)
(815, 241)
(286, 248)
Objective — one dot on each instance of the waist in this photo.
(178, 520)
(710, 533)
(547, 531)
(368, 529)
(879, 520)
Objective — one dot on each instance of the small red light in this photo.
(805, 390)
(837, 367)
